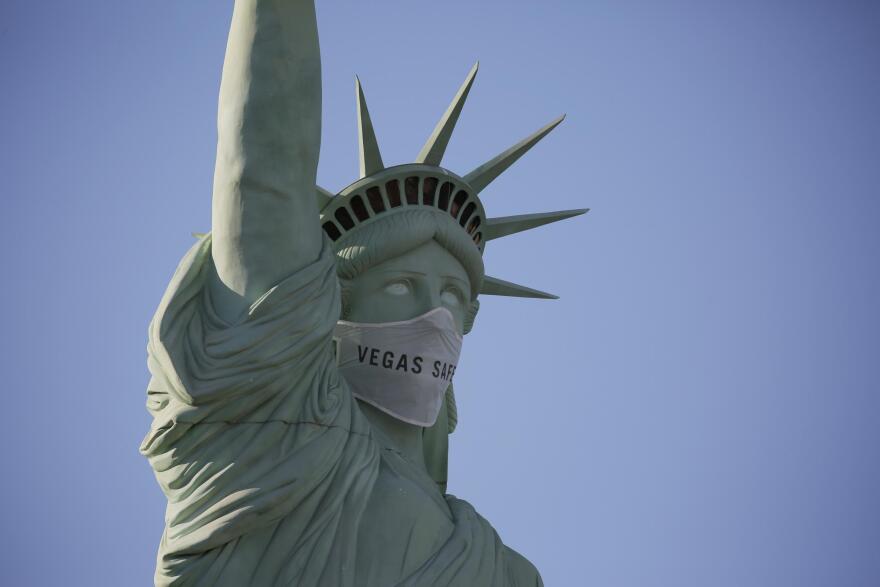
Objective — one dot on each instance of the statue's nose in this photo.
(428, 297)
(432, 300)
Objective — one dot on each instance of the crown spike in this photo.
(368, 147)
(435, 147)
(498, 287)
(483, 175)
(322, 197)
(507, 225)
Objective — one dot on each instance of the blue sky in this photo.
(699, 408)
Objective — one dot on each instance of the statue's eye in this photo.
(397, 288)
(451, 297)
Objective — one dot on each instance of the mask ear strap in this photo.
(344, 298)
(471, 316)
(451, 410)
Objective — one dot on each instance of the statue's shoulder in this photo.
(520, 570)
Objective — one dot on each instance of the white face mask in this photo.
(402, 368)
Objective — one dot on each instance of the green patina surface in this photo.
(274, 473)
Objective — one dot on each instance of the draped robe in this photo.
(273, 475)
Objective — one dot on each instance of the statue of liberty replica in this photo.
(303, 354)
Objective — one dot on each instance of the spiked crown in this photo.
(381, 191)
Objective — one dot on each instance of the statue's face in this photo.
(410, 285)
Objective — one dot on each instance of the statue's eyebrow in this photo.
(453, 277)
(420, 274)
(402, 271)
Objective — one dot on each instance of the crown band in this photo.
(382, 191)
(400, 188)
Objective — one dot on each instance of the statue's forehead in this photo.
(429, 259)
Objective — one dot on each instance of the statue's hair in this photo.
(397, 234)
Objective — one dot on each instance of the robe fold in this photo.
(273, 475)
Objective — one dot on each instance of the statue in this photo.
(303, 354)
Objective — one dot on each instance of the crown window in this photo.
(344, 218)
(392, 188)
(457, 203)
(468, 211)
(411, 187)
(331, 230)
(359, 209)
(429, 185)
(375, 199)
(445, 192)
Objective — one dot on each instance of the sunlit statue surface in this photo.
(303, 354)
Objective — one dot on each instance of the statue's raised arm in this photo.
(264, 217)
